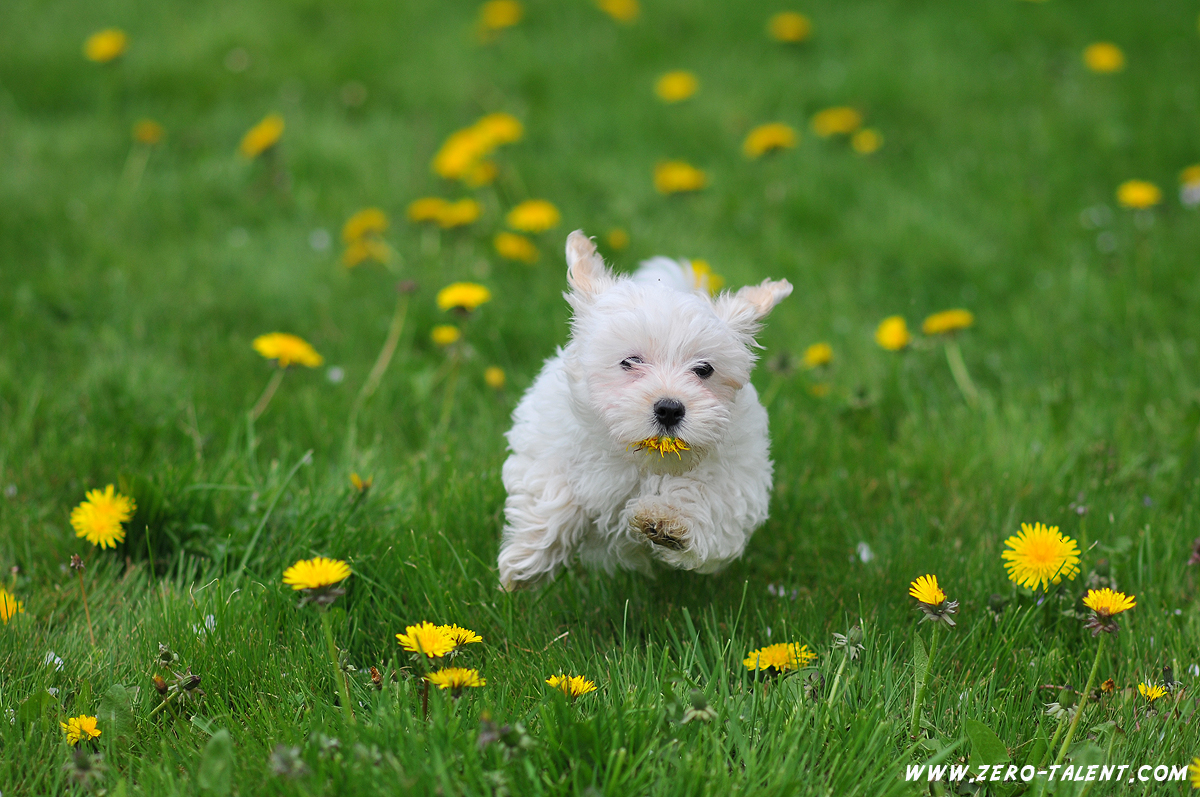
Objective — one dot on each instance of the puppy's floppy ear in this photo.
(586, 273)
(745, 310)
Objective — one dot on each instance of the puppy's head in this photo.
(653, 358)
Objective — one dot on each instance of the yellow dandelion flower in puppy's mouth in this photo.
(663, 445)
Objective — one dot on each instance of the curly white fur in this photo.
(577, 483)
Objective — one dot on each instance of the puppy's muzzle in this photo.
(669, 413)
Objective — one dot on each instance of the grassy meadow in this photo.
(135, 276)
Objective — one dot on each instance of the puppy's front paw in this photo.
(662, 525)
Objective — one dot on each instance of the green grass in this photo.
(127, 312)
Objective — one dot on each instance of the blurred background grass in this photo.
(127, 310)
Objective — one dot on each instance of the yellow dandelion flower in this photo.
(511, 246)
(1151, 692)
(705, 279)
(459, 153)
(80, 729)
(947, 321)
(789, 26)
(620, 10)
(673, 177)
(866, 141)
(500, 14)
(461, 636)
(676, 86)
(262, 136)
(1104, 57)
(98, 519)
(445, 334)
(361, 484)
(366, 222)
(494, 377)
(9, 606)
(316, 573)
(782, 656)
(1108, 603)
(429, 208)
(572, 686)
(836, 121)
(1138, 194)
(1190, 175)
(892, 333)
(1039, 556)
(926, 590)
(463, 295)
(480, 173)
(663, 445)
(106, 45)
(459, 214)
(617, 238)
(817, 355)
(1194, 773)
(366, 249)
(768, 138)
(497, 129)
(455, 678)
(148, 131)
(533, 215)
(426, 639)
(287, 349)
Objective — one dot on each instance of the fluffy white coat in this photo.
(578, 485)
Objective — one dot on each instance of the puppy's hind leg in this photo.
(544, 525)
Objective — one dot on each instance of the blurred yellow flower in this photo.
(361, 484)
(533, 215)
(366, 249)
(480, 173)
(428, 208)
(262, 136)
(841, 120)
(769, 137)
(455, 679)
(1138, 194)
(427, 639)
(80, 729)
(572, 686)
(705, 278)
(458, 214)
(1194, 773)
(148, 131)
(1190, 175)
(463, 295)
(947, 321)
(866, 141)
(781, 656)
(368, 221)
(617, 238)
(676, 86)
(99, 517)
(316, 573)
(511, 246)
(287, 349)
(462, 156)
(103, 46)
(9, 605)
(789, 26)
(1104, 57)
(892, 333)
(497, 129)
(620, 10)
(499, 14)
(494, 377)
(1039, 556)
(673, 177)
(445, 334)
(817, 355)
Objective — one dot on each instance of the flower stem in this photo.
(1083, 698)
(260, 406)
(86, 610)
(337, 671)
(377, 370)
(837, 679)
(164, 703)
(1062, 726)
(914, 724)
(958, 369)
(448, 399)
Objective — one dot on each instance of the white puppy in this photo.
(642, 439)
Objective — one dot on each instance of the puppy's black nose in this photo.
(668, 412)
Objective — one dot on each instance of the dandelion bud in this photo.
(77, 563)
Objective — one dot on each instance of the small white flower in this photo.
(336, 374)
(54, 661)
(210, 624)
(1189, 194)
(865, 554)
(53, 690)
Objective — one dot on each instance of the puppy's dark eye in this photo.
(629, 362)
(703, 370)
